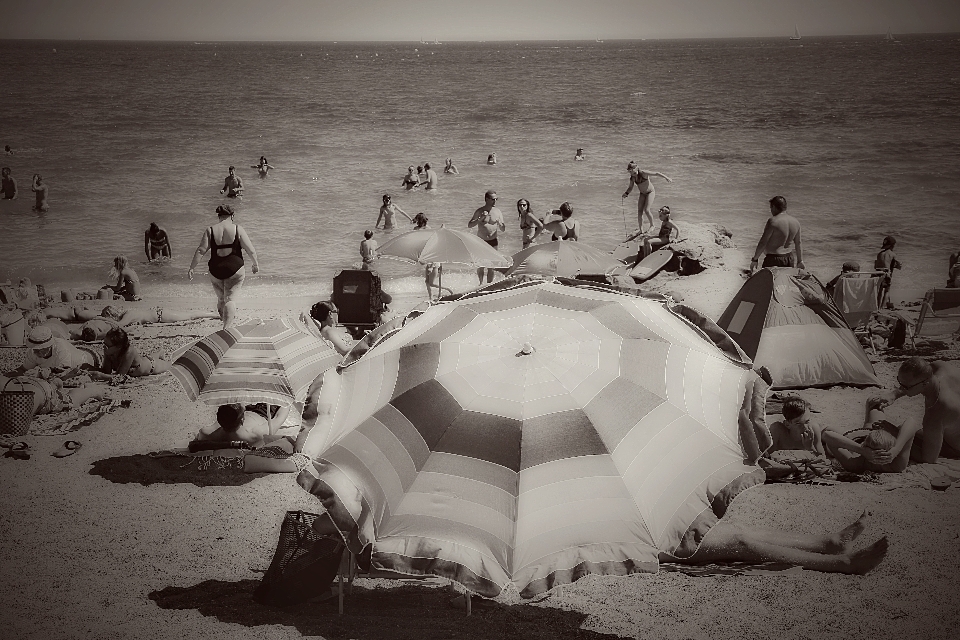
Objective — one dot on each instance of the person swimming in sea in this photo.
(492, 158)
(262, 167)
(579, 155)
(387, 212)
(451, 168)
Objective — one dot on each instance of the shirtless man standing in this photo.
(430, 178)
(41, 190)
(232, 184)
(780, 235)
(488, 221)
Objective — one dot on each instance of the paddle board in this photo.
(650, 265)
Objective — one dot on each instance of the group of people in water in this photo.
(9, 190)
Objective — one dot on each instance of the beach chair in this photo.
(939, 313)
(856, 295)
(359, 298)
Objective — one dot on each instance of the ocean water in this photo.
(861, 137)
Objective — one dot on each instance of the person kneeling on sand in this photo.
(254, 425)
(128, 283)
(56, 354)
(121, 357)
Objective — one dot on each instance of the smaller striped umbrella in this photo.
(563, 259)
(271, 361)
(444, 246)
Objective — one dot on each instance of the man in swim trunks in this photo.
(780, 241)
(232, 184)
(488, 220)
(41, 190)
(156, 243)
(8, 185)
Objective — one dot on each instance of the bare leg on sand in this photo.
(830, 553)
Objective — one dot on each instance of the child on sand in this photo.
(796, 431)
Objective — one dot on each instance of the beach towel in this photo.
(857, 298)
(919, 474)
(57, 424)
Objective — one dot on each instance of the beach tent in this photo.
(786, 322)
(532, 436)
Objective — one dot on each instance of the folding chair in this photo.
(939, 313)
(359, 299)
(857, 297)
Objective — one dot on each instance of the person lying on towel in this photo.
(253, 425)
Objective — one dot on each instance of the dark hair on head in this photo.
(321, 311)
(263, 160)
(87, 334)
(154, 227)
(231, 168)
(419, 168)
(525, 201)
(889, 242)
(386, 197)
(426, 165)
(916, 367)
(368, 234)
(230, 417)
(118, 337)
(6, 169)
(420, 220)
(793, 407)
(779, 203)
(566, 210)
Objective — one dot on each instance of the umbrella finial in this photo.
(526, 349)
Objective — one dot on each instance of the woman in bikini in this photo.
(156, 243)
(225, 241)
(325, 315)
(530, 225)
(262, 167)
(411, 180)
(120, 357)
(387, 212)
(641, 178)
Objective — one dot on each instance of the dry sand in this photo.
(86, 557)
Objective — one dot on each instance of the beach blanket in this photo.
(217, 467)
(919, 474)
(57, 424)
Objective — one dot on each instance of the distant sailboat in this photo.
(890, 37)
(796, 33)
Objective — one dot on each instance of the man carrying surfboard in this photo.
(780, 243)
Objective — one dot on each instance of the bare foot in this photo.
(866, 560)
(844, 540)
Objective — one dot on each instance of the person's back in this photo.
(784, 229)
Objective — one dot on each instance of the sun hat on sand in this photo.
(40, 338)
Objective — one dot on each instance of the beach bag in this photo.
(304, 564)
(16, 410)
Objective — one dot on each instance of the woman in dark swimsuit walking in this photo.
(225, 241)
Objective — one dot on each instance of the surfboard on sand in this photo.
(651, 265)
(627, 252)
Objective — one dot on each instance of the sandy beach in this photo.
(90, 552)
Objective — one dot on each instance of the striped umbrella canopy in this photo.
(534, 435)
(563, 259)
(272, 361)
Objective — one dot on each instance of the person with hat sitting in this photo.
(58, 355)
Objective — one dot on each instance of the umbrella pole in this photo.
(440, 281)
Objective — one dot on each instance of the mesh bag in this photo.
(304, 564)
(16, 410)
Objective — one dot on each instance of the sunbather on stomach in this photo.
(249, 425)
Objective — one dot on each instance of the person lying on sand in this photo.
(49, 396)
(860, 456)
(153, 315)
(796, 431)
(255, 425)
(71, 312)
(121, 357)
(37, 318)
(56, 354)
(830, 553)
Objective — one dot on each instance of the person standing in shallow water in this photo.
(232, 184)
(387, 212)
(156, 243)
(780, 243)
(225, 240)
(8, 185)
(262, 167)
(40, 189)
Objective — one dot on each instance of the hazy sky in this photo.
(465, 20)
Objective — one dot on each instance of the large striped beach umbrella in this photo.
(272, 361)
(564, 259)
(534, 435)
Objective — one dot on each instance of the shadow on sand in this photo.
(148, 469)
(408, 612)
